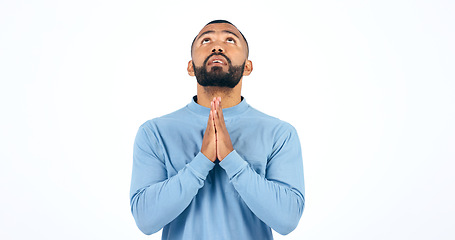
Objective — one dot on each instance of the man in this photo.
(217, 168)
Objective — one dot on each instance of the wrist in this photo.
(225, 153)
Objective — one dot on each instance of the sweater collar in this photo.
(227, 112)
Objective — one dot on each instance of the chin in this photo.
(216, 69)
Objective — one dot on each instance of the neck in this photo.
(229, 96)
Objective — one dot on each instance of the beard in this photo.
(217, 77)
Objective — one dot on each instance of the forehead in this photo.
(219, 27)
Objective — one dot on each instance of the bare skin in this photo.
(216, 143)
(208, 147)
(224, 38)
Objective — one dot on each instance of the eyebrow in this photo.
(211, 31)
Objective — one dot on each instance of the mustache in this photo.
(219, 54)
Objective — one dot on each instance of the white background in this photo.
(369, 85)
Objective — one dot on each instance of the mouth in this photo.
(217, 61)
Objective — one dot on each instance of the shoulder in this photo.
(182, 122)
(270, 122)
(169, 119)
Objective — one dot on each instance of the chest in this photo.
(182, 144)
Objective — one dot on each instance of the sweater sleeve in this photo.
(278, 198)
(155, 198)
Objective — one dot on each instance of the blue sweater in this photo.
(256, 187)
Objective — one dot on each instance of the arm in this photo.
(156, 199)
(278, 198)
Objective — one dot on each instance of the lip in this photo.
(217, 60)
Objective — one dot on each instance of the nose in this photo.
(219, 49)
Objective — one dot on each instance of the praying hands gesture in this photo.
(216, 143)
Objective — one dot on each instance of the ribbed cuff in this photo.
(233, 163)
(201, 165)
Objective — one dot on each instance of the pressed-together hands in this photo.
(216, 143)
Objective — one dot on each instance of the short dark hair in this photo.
(223, 21)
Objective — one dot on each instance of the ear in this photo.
(248, 68)
(190, 68)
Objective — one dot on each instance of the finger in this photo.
(213, 104)
(215, 108)
(217, 121)
(210, 121)
(220, 110)
(209, 124)
(213, 122)
(213, 113)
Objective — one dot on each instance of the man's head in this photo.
(221, 21)
(219, 55)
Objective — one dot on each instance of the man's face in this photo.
(219, 55)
